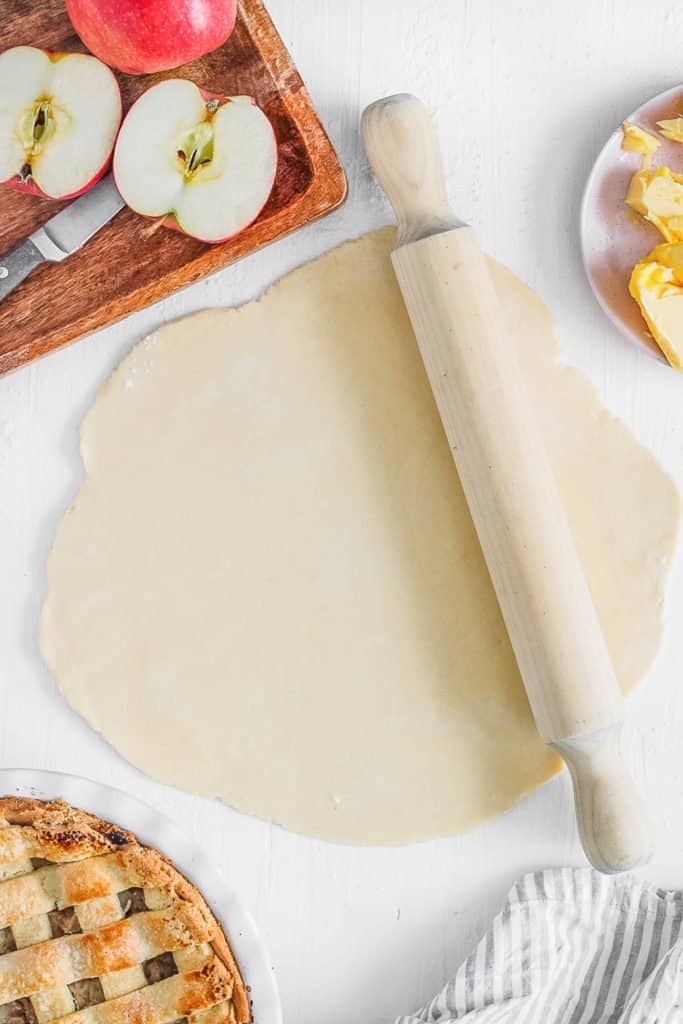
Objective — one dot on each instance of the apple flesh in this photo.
(141, 36)
(206, 163)
(59, 117)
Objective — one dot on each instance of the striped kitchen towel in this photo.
(572, 947)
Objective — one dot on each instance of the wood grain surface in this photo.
(127, 266)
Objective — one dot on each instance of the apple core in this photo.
(35, 130)
(197, 148)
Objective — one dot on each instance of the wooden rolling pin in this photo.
(499, 452)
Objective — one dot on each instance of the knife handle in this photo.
(18, 264)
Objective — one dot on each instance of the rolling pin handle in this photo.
(614, 828)
(403, 150)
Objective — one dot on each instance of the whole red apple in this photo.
(141, 36)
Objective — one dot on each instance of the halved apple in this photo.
(59, 117)
(205, 163)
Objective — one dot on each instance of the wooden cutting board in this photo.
(125, 267)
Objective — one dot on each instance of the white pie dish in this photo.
(613, 239)
(155, 830)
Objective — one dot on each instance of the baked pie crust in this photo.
(97, 929)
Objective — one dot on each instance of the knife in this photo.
(61, 235)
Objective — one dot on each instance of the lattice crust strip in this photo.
(57, 887)
(97, 929)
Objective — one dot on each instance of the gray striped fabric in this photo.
(572, 947)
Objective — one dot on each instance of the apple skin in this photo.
(30, 188)
(169, 221)
(142, 36)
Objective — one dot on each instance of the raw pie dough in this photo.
(269, 588)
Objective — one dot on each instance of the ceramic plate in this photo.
(155, 830)
(612, 238)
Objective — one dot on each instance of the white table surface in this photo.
(524, 91)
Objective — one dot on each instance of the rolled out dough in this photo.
(269, 588)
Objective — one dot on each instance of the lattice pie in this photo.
(97, 929)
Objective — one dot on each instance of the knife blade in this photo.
(61, 235)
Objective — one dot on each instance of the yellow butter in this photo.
(658, 196)
(657, 286)
(672, 129)
(670, 256)
(637, 140)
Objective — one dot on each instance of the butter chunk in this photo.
(670, 256)
(657, 286)
(672, 129)
(658, 197)
(637, 140)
